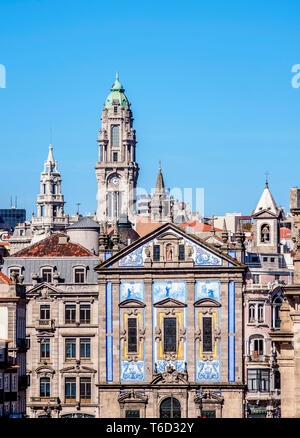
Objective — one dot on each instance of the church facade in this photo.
(171, 338)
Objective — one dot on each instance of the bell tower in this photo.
(266, 224)
(116, 169)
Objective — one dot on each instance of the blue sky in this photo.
(209, 83)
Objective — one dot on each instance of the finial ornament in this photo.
(117, 76)
(267, 174)
(159, 164)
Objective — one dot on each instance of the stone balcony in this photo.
(45, 324)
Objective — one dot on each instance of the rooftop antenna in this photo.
(16, 202)
(10, 201)
(78, 203)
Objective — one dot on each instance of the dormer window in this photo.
(79, 275)
(46, 274)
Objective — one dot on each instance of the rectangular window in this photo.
(7, 382)
(258, 347)
(85, 389)
(181, 252)
(272, 259)
(47, 275)
(169, 335)
(45, 311)
(1, 381)
(85, 348)
(70, 313)
(115, 156)
(207, 334)
(70, 348)
(45, 387)
(70, 389)
(156, 253)
(115, 109)
(85, 313)
(255, 278)
(79, 275)
(132, 335)
(258, 380)
(14, 382)
(45, 348)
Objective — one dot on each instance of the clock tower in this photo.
(116, 169)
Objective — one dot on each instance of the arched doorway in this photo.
(170, 408)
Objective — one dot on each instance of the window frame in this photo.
(70, 383)
(82, 273)
(43, 276)
(68, 310)
(70, 349)
(165, 343)
(47, 389)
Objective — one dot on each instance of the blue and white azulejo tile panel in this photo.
(132, 290)
(177, 364)
(169, 289)
(132, 371)
(208, 370)
(208, 289)
(135, 258)
(203, 257)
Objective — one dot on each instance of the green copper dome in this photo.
(116, 93)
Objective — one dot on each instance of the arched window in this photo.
(276, 304)
(170, 408)
(256, 346)
(251, 313)
(115, 141)
(265, 233)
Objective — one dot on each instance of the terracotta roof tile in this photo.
(50, 247)
(198, 226)
(4, 279)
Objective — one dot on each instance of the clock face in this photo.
(115, 181)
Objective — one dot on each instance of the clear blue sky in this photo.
(209, 83)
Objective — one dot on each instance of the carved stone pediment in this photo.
(43, 291)
(169, 236)
(44, 370)
(132, 397)
(169, 302)
(207, 302)
(265, 214)
(132, 303)
(78, 369)
(209, 397)
(170, 375)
